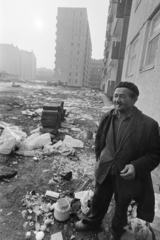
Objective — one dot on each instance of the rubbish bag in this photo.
(37, 142)
(84, 197)
(7, 141)
(140, 230)
(72, 142)
(11, 137)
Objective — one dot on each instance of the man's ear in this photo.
(135, 100)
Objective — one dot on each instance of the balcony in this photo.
(110, 19)
(117, 27)
(108, 38)
(110, 88)
(115, 50)
(113, 1)
(120, 8)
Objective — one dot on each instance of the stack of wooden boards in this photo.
(52, 116)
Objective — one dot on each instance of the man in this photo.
(127, 150)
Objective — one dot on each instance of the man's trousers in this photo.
(100, 203)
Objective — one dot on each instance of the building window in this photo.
(151, 45)
(132, 57)
(78, 44)
(76, 81)
(137, 3)
(76, 74)
(77, 52)
(72, 44)
(80, 13)
(69, 80)
(70, 73)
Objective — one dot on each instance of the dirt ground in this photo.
(35, 175)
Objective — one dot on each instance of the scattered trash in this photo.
(9, 213)
(52, 195)
(140, 229)
(28, 235)
(16, 85)
(11, 136)
(71, 142)
(39, 235)
(84, 197)
(156, 222)
(62, 209)
(72, 237)
(36, 142)
(25, 153)
(24, 213)
(84, 185)
(89, 135)
(57, 236)
(67, 176)
(7, 172)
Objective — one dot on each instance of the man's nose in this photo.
(118, 98)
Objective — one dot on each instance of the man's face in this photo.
(122, 100)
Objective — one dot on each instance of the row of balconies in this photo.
(114, 28)
(121, 9)
(115, 52)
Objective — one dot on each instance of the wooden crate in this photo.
(51, 119)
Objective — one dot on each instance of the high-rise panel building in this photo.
(73, 47)
(16, 63)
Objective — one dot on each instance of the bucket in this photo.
(89, 135)
(62, 210)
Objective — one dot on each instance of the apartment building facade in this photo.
(73, 47)
(96, 72)
(16, 63)
(142, 55)
(115, 42)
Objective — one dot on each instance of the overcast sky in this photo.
(31, 25)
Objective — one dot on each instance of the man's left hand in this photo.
(128, 172)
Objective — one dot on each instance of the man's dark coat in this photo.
(143, 153)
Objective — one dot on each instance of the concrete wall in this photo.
(147, 79)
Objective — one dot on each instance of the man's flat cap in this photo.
(129, 85)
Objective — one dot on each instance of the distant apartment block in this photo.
(73, 47)
(96, 72)
(16, 63)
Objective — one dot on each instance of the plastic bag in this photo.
(72, 142)
(140, 230)
(7, 141)
(11, 137)
(37, 142)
